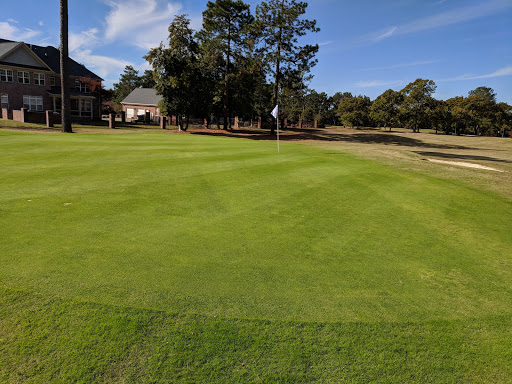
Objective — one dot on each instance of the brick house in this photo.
(30, 79)
(140, 101)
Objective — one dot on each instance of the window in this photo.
(5, 101)
(86, 105)
(6, 75)
(39, 78)
(82, 86)
(23, 77)
(52, 81)
(33, 103)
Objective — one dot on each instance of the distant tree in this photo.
(480, 115)
(355, 111)
(503, 118)
(418, 103)
(441, 116)
(458, 115)
(64, 71)
(385, 109)
(318, 107)
(293, 97)
(147, 80)
(225, 37)
(127, 83)
(485, 93)
(280, 25)
(178, 74)
(335, 102)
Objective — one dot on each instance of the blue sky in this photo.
(366, 46)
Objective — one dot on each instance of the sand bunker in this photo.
(464, 164)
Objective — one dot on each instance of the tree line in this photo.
(240, 64)
(414, 107)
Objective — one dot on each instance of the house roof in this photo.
(143, 96)
(7, 46)
(50, 56)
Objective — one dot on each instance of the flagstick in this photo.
(277, 135)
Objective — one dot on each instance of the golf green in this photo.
(226, 227)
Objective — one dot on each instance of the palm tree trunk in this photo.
(64, 73)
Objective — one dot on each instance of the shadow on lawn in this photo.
(462, 157)
(384, 138)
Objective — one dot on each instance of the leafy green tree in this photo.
(503, 118)
(179, 79)
(385, 109)
(484, 93)
(458, 113)
(280, 25)
(441, 116)
(335, 102)
(317, 106)
(293, 96)
(226, 37)
(127, 83)
(418, 103)
(147, 80)
(355, 111)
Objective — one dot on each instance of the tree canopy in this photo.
(243, 65)
(225, 37)
(176, 68)
(280, 25)
(130, 80)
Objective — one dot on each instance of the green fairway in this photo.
(190, 258)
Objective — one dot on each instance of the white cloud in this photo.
(385, 34)
(80, 48)
(324, 43)
(41, 24)
(142, 23)
(11, 32)
(101, 65)
(506, 71)
(442, 19)
(84, 39)
(402, 65)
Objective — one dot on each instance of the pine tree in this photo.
(280, 25)
(226, 38)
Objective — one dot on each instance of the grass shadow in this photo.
(462, 157)
(324, 135)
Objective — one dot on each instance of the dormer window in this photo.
(39, 78)
(82, 86)
(23, 77)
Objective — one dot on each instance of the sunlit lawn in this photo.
(163, 257)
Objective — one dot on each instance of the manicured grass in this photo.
(308, 265)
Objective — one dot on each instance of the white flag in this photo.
(275, 112)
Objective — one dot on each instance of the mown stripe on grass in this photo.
(44, 339)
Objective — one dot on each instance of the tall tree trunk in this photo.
(226, 83)
(276, 84)
(64, 73)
